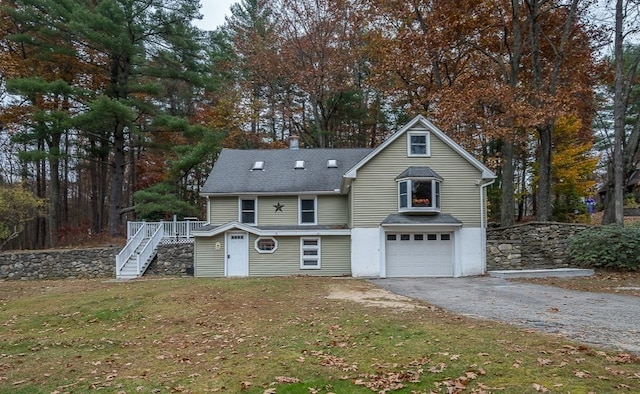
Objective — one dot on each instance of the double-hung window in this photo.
(310, 253)
(248, 211)
(418, 144)
(308, 210)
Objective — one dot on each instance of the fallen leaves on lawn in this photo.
(581, 374)
(540, 388)
(330, 360)
(624, 358)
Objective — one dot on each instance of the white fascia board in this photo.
(225, 227)
(264, 233)
(303, 233)
(352, 172)
(295, 193)
(409, 227)
(486, 172)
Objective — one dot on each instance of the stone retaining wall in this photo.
(58, 264)
(533, 245)
(172, 260)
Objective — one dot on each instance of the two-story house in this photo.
(414, 206)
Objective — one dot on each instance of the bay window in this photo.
(419, 195)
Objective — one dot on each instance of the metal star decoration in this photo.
(278, 207)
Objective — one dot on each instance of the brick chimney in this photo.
(294, 142)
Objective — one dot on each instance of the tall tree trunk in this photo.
(507, 202)
(117, 181)
(54, 190)
(544, 207)
(614, 212)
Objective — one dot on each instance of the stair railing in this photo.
(145, 255)
(130, 248)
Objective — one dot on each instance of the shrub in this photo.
(611, 246)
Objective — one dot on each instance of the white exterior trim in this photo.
(427, 136)
(255, 208)
(258, 239)
(315, 209)
(265, 233)
(317, 247)
(270, 194)
(366, 249)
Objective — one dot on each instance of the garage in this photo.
(421, 254)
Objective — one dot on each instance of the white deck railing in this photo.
(130, 248)
(144, 258)
(172, 232)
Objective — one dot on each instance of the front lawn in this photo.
(276, 335)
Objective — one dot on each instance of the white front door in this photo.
(237, 254)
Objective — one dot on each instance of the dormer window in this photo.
(419, 190)
(299, 165)
(418, 144)
(258, 166)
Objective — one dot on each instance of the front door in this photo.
(237, 254)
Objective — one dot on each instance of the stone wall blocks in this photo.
(533, 245)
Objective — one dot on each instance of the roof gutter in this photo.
(292, 193)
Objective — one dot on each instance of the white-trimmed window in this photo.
(419, 195)
(307, 208)
(248, 209)
(418, 144)
(309, 253)
(266, 245)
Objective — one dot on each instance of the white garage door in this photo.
(419, 254)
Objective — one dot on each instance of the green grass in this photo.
(274, 335)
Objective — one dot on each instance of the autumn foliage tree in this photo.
(113, 99)
(490, 71)
(18, 207)
(573, 166)
(98, 73)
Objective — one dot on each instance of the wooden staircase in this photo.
(137, 254)
(130, 268)
(142, 247)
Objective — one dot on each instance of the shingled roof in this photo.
(233, 172)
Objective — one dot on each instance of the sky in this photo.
(213, 12)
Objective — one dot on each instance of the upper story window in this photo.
(248, 211)
(307, 210)
(418, 144)
(419, 190)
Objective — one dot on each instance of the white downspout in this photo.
(483, 226)
(208, 220)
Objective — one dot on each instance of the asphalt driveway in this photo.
(607, 320)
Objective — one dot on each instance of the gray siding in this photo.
(334, 254)
(333, 210)
(375, 191)
(223, 210)
(267, 215)
(207, 261)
